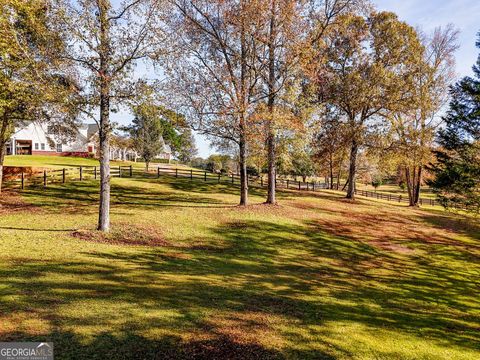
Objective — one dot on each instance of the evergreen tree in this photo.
(146, 132)
(457, 171)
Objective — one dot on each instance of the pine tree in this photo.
(457, 171)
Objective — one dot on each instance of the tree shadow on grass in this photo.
(83, 198)
(129, 345)
(266, 270)
(209, 187)
(463, 224)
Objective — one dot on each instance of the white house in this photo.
(40, 139)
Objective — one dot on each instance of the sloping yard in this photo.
(187, 274)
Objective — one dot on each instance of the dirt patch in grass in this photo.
(237, 335)
(11, 202)
(124, 234)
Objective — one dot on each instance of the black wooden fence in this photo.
(235, 179)
(62, 176)
(281, 183)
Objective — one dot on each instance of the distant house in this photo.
(166, 153)
(40, 139)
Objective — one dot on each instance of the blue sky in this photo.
(425, 14)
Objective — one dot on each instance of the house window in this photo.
(59, 148)
(36, 146)
(42, 146)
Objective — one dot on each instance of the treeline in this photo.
(277, 82)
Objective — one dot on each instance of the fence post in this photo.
(63, 176)
(131, 172)
(205, 177)
(219, 178)
(81, 173)
(400, 198)
(307, 185)
(119, 171)
(44, 178)
(191, 174)
(158, 171)
(23, 180)
(176, 172)
(95, 172)
(299, 185)
(261, 181)
(232, 178)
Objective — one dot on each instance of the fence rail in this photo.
(235, 179)
(64, 175)
(392, 197)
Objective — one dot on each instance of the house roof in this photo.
(92, 129)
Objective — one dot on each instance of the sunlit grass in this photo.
(316, 277)
(57, 162)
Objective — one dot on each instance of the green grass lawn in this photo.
(58, 162)
(187, 274)
(48, 161)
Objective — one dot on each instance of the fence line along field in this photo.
(45, 177)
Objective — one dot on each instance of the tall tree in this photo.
(106, 42)
(286, 34)
(34, 84)
(415, 125)
(215, 79)
(363, 72)
(330, 145)
(146, 132)
(457, 171)
(285, 21)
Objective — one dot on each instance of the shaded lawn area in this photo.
(314, 278)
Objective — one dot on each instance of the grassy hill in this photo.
(187, 274)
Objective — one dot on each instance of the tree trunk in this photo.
(3, 141)
(272, 171)
(243, 102)
(339, 174)
(2, 158)
(352, 172)
(413, 178)
(104, 209)
(331, 172)
(408, 180)
(104, 131)
(243, 171)
(418, 182)
(271, 146)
